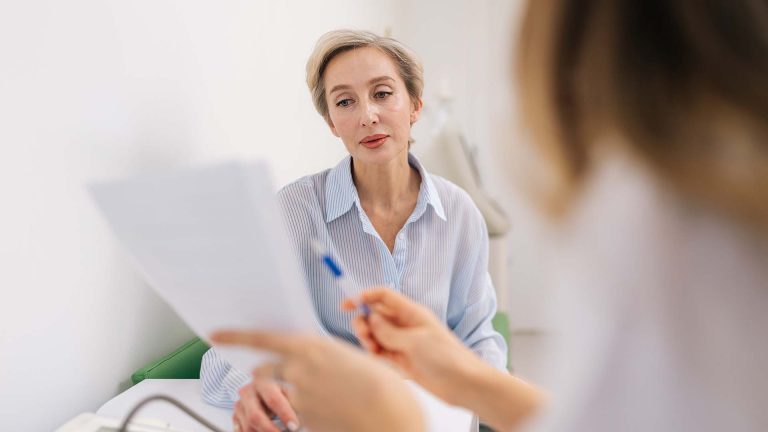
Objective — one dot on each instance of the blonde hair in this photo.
(683, 84)
(336, 42)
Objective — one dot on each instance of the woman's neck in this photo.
(386, 186)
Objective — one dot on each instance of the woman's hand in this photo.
(409, 335)
(331, 385)
(259, 399)
(413, 338)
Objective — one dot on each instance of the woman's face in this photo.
(369, 106)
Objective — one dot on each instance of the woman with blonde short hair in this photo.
(380, 212)
(651, 122)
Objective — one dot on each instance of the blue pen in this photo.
(338, 274)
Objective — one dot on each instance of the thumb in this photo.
(395, 307)
(390, 336)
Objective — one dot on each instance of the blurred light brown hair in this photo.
(683, 84)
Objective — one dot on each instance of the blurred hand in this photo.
(331, 385)
(259, 400)
(409, 335)
(413, 338)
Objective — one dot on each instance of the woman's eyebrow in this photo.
(339, 87)
(370, 82)
(380, 79)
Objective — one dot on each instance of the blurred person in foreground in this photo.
(651, 119)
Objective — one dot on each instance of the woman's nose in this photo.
(370, 115)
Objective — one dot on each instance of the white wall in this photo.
(93, 89)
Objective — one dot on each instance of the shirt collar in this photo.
(340, 191)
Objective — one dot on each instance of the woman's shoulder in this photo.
(309, 189)
(302, 203)
(449, 192)
(456, 201)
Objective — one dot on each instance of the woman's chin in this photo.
(378, 156)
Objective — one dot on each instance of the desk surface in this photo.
(440, 416)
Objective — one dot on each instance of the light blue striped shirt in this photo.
(440, 260)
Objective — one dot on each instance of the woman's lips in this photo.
(374, 141)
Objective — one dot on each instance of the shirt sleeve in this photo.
(220, 381)
(472, 320)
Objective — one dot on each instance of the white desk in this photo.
(440, 416)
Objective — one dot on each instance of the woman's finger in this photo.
(364, 335)
(272, 396)
(386, 311)
(360, 327)
(389, 336)
(288, 389)
(370, 345)
(393, 305)
(237, 425)
(360, 323)
(239, 417)
(252, 414)
(351, 305)
(281, 343)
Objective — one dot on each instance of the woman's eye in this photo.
(344, 102)
(382, 94)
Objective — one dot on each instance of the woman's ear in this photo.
(416, 112)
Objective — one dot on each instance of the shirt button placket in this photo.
(399, 256)
(390, 269)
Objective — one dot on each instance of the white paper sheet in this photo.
(211, 242)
